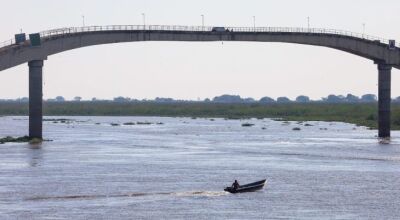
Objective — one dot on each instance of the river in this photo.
(176, 168)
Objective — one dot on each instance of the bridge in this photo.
(36, 49)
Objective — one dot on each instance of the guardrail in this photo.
(7, 43)
(72, 30)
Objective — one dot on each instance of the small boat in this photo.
(251, 187)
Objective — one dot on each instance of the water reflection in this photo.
(34, 154)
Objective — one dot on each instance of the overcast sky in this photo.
(185, 70)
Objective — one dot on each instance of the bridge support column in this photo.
(384, 100)
(35, 98)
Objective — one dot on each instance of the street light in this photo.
(254, 23)
(363, 29)
(83, 20)
(202, 21)
(144, 19)
(308, 23)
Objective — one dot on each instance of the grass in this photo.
(362, 114)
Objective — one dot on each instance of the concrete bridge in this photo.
(36, 49)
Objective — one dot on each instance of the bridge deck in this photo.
(72, 30)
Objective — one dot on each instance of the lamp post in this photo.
(144, 20)
(202, 22)
(308, 23)
(254, 23)
(363, 30)
(83, 20)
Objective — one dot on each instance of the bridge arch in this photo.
(47, 43)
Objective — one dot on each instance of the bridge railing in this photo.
(7, 43)
(72, 30)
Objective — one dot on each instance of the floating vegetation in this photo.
(247, 125)
(323, 129)
(82, 121)
(296, 129)
(10, 139)
(160, 123)
(143, 123)
(264, 128)
(211, 119)
(97, 123)
(114, 124)
(308, 125)
(19, 119)
(129, 123)
(194, 118)
(24, 139)
(59, 120)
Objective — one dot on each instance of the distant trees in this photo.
(267, 99)
(369, 98)
(249, 100)
(334, 98)
(228, 99)
(302, 99)
(397, 99)
(23, 99)
(60, 99)
(352, 98)
(164, 100)
(77, 99)
(121, 99)
(349, 98)
(283, 100)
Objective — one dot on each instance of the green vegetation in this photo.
(59, 120)
(363, 114)
(23, 139)
(247, 125)
(143, 123)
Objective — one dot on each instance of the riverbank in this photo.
(362, 114)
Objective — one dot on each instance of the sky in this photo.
(199, 70)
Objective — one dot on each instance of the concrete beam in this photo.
(384, 100)
(35, 98)
(18, 54)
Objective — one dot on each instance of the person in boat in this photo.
(235, 185)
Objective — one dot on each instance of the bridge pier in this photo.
(35, 98)
(384, 99)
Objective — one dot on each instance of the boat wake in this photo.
(201, 194)
(177, 194)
